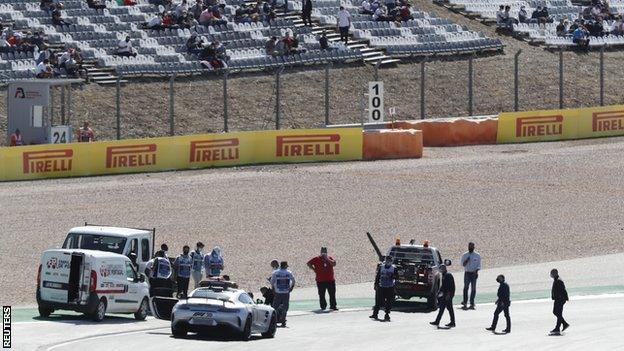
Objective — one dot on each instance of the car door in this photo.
(245, 299)
(130, 299)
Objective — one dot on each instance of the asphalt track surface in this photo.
(521, 204)
(595, 323)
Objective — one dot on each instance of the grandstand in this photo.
(97, 32)
(546, 33)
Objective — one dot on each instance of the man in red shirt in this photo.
(85, 134)
(323, 265)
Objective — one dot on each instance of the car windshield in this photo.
(412, 254)
(95, 242)
(211, 295)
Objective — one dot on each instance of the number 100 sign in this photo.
(375, 102)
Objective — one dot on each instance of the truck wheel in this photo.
(45, 312)
(246, 333)
(141, 313)
(179, 331)
(270, 333)
(100, 311)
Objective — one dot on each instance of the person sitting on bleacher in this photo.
(210, 58)
(57, 20)
(180, 8)
(381, 14)
(618, 27)
(206, 17)
(96, 4)
(323, 42)
(186, 20)
(124, 48)
(196, 9)
(194, 45)
(68, 62)
(154, 22)
(365, 8)
(45, 54)
(47, 5)
(522, 15)
(562, 28)
(405, 14)
(167, 20)
(270, 48)
(580, 37)
(44, 69)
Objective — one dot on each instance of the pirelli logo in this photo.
(539, 126)
(47, 161)
(607, 121)
(214, 150)
(308, 145)
(131, 156)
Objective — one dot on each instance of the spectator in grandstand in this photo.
(390, 4)
(208, 18)
(44, 70)
(270, 48)
(37, 40)
(580, 37)
(167, 20)
(57, 20)
(196, 10)
(186, 20)
(68, 63)
(522, 15)
(96, 4)
(85, 134)
(180, 8)
(365, 8)
(618, 27)
(47, 5)
(4, 46)
(381, 14)
(562, 28)
(129, 2)
(194, 45)
(405, 14)
(323, 42)
(154, 22)
(306, 13)
(124, 48)
(500, 15)
(220, 52)
(596, 29)
(344, 22)
(45, 54)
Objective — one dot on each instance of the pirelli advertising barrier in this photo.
(547, 125)
(183, 152)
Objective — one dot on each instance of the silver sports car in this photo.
(214, 307)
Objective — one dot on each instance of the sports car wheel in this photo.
(246, 334)
(178, 332)
(270, 333)
(141, 313)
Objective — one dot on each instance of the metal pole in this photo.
(516, 81)
(69, 103)
(327, 94)
(62, 104)
(422, 90)
(225, 101)
(377, 71)
(171, 81)
(118, 103)
(602, 76)
(561, 77)
(470, 82)
(277, 96)
(51, 106)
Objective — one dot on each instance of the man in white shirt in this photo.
(44, 70)
(471, 261)
(283, 282)
(124, 48)
(344, 22)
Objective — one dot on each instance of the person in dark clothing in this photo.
(323, 42)
(384, 288)
(502, 304)
(306, 13)
(560, 297)
(445, 301)
(268, 295)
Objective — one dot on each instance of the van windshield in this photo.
(95, 242)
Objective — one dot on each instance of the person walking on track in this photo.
(502, 304)
(447, 292)
(323, 266)
(560, 297)
(283, 283)
(384, 288)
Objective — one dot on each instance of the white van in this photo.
(92, 282)
(125, 241)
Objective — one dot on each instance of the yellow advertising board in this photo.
(182, 152)
(547, 125)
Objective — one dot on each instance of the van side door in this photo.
(130, 300)
(145, 255)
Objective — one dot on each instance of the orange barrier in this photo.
(453, 132)
(392, 143)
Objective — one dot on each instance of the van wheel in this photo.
(141, 313)
(100, 311)
(45, 312)
(270, 333)
(246, 333)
